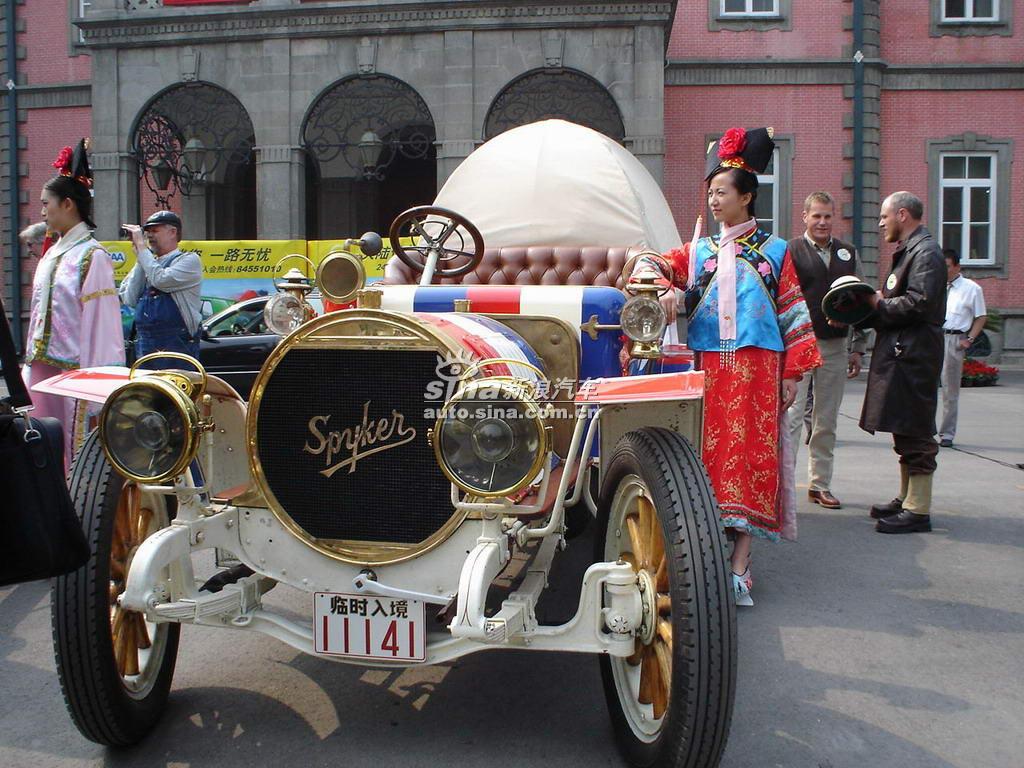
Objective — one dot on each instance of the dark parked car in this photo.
(235, 342)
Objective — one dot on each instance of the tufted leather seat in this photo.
(537, 265)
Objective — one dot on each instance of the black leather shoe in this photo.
(946, 442)
(905, 522)
(894, 507)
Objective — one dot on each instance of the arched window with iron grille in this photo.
(193, 143)
(544, 94)
(370, 152)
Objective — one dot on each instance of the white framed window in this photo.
(734, 8)
(77, 9)
(768, 196)
(967, 206)
(970, 10)
(83, 5)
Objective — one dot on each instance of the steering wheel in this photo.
(440, 246)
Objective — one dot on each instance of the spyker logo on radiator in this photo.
(359, 441)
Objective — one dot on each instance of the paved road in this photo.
(863, 651)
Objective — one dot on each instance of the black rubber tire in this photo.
(97, 700)
(703, 679)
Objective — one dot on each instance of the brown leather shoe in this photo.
(825, 498)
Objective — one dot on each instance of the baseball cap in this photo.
(163, 217)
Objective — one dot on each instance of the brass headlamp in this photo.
(150, 426)
(490, 439)
(643, 319)
(341, 275)
(290, 308)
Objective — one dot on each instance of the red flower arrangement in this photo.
(732, 143)
(63, 161)
(977, 374)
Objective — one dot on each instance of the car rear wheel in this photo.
(115, 668)
(670, 701)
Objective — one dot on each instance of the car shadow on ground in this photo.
(516, 708)
(521, 708)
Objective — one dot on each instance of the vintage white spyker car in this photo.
(398, 457)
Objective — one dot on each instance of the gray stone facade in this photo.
(278, 56)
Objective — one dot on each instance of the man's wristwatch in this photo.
(970, 339)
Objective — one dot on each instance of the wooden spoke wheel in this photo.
(130, 634)
(649, 669)
(671, 700)
(115, 667)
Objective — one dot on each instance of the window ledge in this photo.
(749, 23)
(971, 28)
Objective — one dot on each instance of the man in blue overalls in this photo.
(164, 288)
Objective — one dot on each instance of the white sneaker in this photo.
(741, 588)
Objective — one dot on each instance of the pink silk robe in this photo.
(75, 322)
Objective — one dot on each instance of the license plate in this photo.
(369, 627)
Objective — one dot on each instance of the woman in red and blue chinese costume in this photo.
(749, 325)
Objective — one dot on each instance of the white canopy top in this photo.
(556, 183)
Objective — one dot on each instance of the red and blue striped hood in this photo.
(573, 304)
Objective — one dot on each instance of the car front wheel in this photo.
(670, 701)
(115, 667)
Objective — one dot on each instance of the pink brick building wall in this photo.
(816, 32)
(906, 40)
(793, 112)
(46, 40)
(148, 203)
(936, 116)
(914, 105)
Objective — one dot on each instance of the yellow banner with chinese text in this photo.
(224, 259)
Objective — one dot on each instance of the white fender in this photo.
(480, 569)
(147, 581)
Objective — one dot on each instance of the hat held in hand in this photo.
(847, 301)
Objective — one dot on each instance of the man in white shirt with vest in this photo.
(965, 317)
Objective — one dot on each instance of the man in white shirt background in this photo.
(965, 317)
